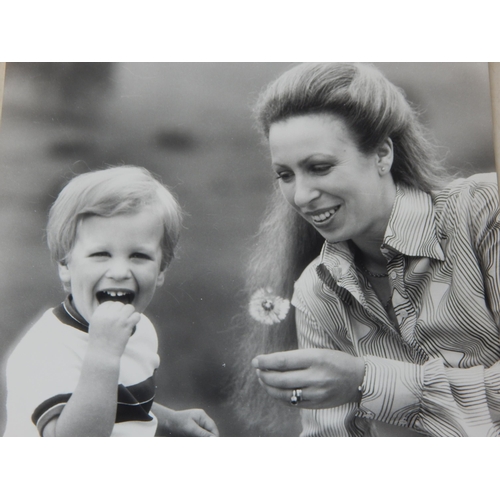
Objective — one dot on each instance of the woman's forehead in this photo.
(318, 133)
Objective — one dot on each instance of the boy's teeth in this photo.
(116, 295)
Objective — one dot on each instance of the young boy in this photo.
(86, 368)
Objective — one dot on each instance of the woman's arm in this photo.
(428, 398)
(432, 399)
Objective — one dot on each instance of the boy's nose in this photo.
(118, 270)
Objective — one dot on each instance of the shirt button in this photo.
(394, 275)
(403, 314)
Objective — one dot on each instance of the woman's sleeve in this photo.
(428, 398)
(432, 398)
(339, 421)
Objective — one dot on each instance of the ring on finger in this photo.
(296, 397)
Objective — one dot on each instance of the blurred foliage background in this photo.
(191, 124)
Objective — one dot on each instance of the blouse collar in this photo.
(411, 231)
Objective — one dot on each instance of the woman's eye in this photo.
(321, 168)
(284, 176)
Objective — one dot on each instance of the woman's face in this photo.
(343, 193)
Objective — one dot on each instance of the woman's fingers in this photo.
(287, 360)
(309, 397)
(284, 395)
(284, 380)
(326, 377)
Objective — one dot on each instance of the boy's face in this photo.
(115, 258)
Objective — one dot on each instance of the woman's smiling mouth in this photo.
(123, 296)
(319, 218)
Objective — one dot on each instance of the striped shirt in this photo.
(435, 372)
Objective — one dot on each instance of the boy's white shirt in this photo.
(47, 362)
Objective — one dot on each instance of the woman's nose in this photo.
(119, 269)
(305, 192)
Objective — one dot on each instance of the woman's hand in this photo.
(326, 377)
(190, 423)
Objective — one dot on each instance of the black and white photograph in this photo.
(256, 251)
(249, 249)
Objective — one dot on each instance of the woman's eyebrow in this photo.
(308, 158)
(316, 156)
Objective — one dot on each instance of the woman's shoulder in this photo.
(308, 279)
(468, 186)
(474, 191)
(471, 203)
(310, 270)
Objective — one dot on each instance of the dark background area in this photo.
(191, 124)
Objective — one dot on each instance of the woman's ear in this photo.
(385, 156)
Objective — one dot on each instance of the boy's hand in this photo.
(188, 423)
(111, 325)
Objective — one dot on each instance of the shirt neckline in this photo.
(411, 231)
(67, 314)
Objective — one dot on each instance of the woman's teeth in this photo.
(324, 216)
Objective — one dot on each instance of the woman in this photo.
(396, 303)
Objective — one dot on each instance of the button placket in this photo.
(400, 300)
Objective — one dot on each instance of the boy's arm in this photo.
(91, 410)
(192, 422)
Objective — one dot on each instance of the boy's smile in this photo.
(124, 296)
(115, 258)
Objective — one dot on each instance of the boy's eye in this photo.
(100, 254)
(140, 255)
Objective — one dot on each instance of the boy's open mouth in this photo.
(123, 296)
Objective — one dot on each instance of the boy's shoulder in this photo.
(56, 330)
(42, 337)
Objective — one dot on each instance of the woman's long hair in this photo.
(373, 109)
(279, 252)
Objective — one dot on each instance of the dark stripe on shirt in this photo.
(134, 402)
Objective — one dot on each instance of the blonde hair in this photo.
(117, 190)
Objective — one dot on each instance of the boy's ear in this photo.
(161, 278)
(64, 273)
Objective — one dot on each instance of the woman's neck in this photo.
(369, 246)
(371, 257)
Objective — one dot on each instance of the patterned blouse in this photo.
(436, 371)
